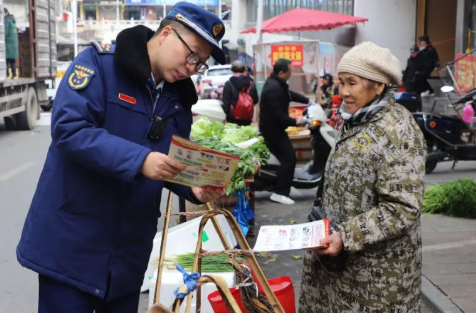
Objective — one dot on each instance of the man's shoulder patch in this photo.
(80, 77)
(104, 48)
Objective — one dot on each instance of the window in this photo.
(469, 41)
(273, 8)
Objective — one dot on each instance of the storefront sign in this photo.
(290, 52)
(172, 2)
(465, 72)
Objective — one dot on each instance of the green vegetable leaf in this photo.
(296, 257)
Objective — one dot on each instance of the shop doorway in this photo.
(437, 19)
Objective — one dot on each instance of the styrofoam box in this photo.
(171, 280)
(183, 239)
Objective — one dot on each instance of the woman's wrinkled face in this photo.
(357, 91)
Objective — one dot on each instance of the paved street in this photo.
(448, 243)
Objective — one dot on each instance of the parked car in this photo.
(214, 77)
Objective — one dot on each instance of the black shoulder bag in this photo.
(330, 263)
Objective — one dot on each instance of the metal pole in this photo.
(259, 21)
(165, 8)
(219, 15)
(117, 11)
(74, 10)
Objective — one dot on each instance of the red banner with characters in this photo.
(290, 52)
(465, 71)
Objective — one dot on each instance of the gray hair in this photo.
(238, 67)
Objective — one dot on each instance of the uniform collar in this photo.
(132, 56)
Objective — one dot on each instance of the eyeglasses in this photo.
(193, 57)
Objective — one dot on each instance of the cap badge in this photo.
(217, 29)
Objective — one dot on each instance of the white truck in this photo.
(22, 96)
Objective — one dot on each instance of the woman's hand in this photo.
(207, 194)
(333, 243)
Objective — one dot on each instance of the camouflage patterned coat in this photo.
(373, 190)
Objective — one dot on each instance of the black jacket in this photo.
(431, 57)
(417, 70)
(230, 94)
(274, 106)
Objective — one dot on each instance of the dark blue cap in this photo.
(206, 24)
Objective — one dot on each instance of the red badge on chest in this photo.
(127, 98)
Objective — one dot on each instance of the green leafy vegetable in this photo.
(204, 128)
(214, 263)
(235, 134)
(456, 198)
(223, 138)
(296, 257)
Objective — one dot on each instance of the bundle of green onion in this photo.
(214, 263)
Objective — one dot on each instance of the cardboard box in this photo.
(183, 239)
(302, 146)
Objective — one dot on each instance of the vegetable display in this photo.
(456, 198)
(214, 263)
(223, 138)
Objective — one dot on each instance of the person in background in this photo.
(326, 91)
(91, 224)
(11, 43)
(430, 55)
(372, 193)
(335, 120)
(9, 16)
(239, 81)
(249, 72)
(274, 119)
(336, 84)
(415, 73)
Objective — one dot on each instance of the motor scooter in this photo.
(448, 137)
(306, 177)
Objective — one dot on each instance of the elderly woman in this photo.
(372, 193)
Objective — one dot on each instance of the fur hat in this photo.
(372, 62)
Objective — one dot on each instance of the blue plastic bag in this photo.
(243, 212)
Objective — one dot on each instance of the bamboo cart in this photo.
(246, 252)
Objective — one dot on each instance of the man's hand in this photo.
(207, 194)
(159, 166)
(334, 243)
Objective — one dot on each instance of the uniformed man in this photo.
(94, 215)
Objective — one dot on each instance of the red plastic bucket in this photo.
(282, 287)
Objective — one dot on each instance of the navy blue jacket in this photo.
(93, 216)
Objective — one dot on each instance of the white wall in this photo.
(238, 20)
(19, 8)
(391, 24)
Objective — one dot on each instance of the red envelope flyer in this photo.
(205, 167)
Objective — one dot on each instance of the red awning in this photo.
(305, 20)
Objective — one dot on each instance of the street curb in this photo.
(436, 299)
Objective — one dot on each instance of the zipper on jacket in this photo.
(154, 103)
